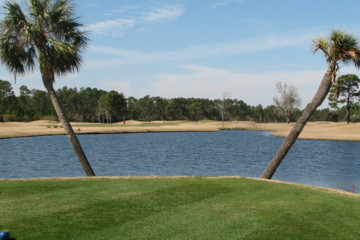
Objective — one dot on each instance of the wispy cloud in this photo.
(166, 13)
(124, 57)
(133, 16)
(225, 2)
(115, 27)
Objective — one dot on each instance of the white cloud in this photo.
(120, 86)
(166, 13)
(125, 57)
(225, 2)
(135, 17)
(115, 27)
(126, 9)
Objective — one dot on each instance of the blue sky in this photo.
(204, 48)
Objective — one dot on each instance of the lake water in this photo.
(334, 164)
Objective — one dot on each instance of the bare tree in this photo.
(287, 101)
(224, 105)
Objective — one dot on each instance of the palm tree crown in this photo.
(339, 46)
(47, 33)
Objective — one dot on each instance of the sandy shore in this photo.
(313, 130)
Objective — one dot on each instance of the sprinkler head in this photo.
(4, 235)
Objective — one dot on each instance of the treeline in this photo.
(95, 105)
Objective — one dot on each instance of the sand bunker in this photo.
(313, 130)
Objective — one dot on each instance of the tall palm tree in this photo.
(339, 47)
(46, 35)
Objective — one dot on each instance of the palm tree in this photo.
(338, 47)
(47, 35)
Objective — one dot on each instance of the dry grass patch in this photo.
(313, 130)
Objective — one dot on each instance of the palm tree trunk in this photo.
(48, 83)
(317, 100)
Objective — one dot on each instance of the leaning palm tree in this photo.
(339, 47)
(48, 36)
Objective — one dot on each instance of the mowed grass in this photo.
(174, 208)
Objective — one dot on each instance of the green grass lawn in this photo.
(168, 208)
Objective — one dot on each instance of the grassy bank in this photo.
(169, 208)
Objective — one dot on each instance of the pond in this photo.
(334, 164)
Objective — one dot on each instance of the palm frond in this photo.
(344, 47)
(17, 59)
(61, 8)
(16, 52)
(14, 20)
(356, 58)
(321, 44)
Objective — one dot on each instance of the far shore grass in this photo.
(175, 208)
(313, 130)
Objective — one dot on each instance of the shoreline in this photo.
(313, 130)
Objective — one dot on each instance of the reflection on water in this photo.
(333, 164)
